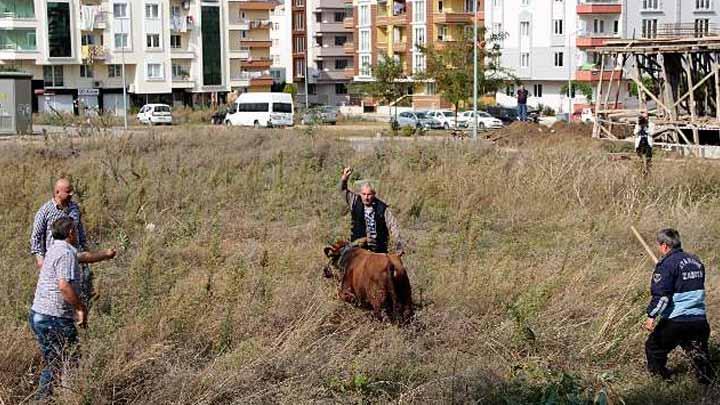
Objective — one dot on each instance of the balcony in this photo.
(592, 40)
(330, 75)
(453, 18)
(182, 53)
(587, 7)
(331, 27)
(181, 23)
(261, 81)
(257, 63)
(330, 51)
(250, 43)
(182, 81)
(254, 4)
(329, 4)
(348, 23)
(401, 46)
(239, 53)
(237, 23)
(349, 48)
(245, 76)
(18, 9)
(349, 73)
(91, 53)
(594, 75)
(95, 20)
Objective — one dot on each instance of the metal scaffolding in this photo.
(677, 81)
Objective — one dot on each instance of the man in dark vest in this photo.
(370, 217)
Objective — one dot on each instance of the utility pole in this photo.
(124, 47)
(307, 58)
(475, 68)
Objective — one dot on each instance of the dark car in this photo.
(508, 115)
(321, 115)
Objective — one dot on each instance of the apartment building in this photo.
(281, 48)
(173, 51)
(395, 28)
(321, 41)
(663, 18)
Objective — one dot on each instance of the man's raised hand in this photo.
(346, 173)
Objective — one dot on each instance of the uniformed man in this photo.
(676, 314)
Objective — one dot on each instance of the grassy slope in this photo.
(530, 284)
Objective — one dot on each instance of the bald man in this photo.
(62, 206)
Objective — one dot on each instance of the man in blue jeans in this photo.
(57, 304)
(522, 96)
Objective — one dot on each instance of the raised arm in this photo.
(394, 229)
(348, 195)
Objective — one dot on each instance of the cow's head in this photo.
(337, 253)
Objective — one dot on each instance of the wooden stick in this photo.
(645, 245)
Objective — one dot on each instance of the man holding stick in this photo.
(676, 313)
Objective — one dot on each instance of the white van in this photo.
(261, 110)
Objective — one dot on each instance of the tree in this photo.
(450, 66)
(583, 88)
(389, 83)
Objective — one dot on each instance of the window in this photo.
(299, 45)
(702, 27)
(282, 107)
(152, 10)
(276, 61)
(300, 3)
(365, 40)
(275, 43)
(299, 21)
(154, 71)
(525, 2)
(616, 27)
(86, 71)
(179, 71)
(598, 26)
(537, 90)
(443, 33)
(300, 67)
(175, 41)
(364, 14)
(651, 4)
(559, 59)
(525, 28)
(649, 28)
(320, 65)
(440, 6)
(339, 16)
(175, 11)
(253, 107)
(340, 88)
(318, 41)
(418, 62)
(211, 51)
(87, 39)
(153, 41)
(430, 88)
(365, 68)
(340, 40)
(276, 27)
(318, 17)
(419, 37)
(121, 41)
(419, 11)
(703, 4)
(510, 90)
(53, 76)
(558, 27)
(525, 59)
(120, 10)
(58, 30)
(114, 71)
(340, 64)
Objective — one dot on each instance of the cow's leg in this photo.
(345, 294)
(378, 301)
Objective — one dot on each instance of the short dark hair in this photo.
(670, 237)
(62, 227)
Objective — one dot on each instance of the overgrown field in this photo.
(529, 284)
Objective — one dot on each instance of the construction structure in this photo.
(676, 76)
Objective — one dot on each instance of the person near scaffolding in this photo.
(643, 141)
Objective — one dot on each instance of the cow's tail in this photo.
(399, 291)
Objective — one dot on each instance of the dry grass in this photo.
(530, 285)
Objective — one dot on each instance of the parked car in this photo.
(406, 119)
(427, 121)
(508, 115)
(321, 115)
(485, 120)
(152, 114)
(445, 117)
(261, 110)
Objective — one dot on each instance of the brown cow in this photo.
(374, 280)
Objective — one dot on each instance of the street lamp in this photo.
(124, 44)
(475, 67)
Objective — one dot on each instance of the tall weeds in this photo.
(529, 285)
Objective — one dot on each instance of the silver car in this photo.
(321, 115)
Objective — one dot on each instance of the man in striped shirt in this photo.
(41, 239)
